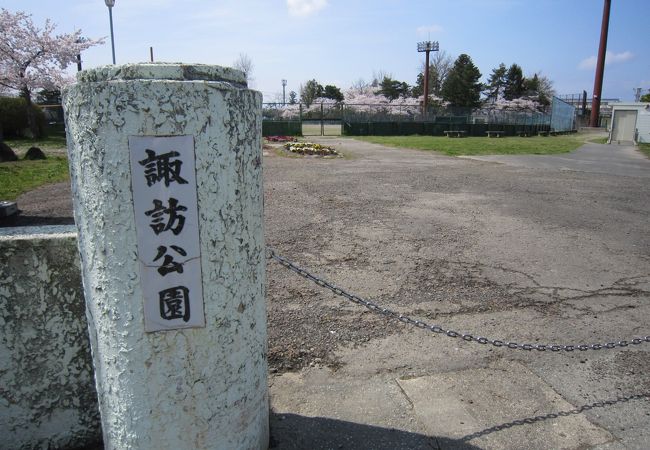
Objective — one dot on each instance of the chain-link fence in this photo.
(408, 119)
(563, 115)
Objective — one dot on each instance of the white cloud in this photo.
(305, 7)
(424, 31)
(610, 58)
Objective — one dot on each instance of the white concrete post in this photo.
(166, 174)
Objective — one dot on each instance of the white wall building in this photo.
(630, 123)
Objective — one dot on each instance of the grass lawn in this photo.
(537, 145)
(599, 140)
(22, 176)
(645, 148)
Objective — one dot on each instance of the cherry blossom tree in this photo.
(34, 58)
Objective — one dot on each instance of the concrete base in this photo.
(47, 386)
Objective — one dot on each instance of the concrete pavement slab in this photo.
(316, 409)
(622, 160)
(504, 406)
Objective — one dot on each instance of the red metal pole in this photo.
(600, 66)
(426, 83)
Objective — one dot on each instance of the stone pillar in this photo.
(166, 171)
(47, 391)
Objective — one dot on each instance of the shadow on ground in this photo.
(29, 221)
(295, 432)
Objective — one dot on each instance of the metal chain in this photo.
(271, 254)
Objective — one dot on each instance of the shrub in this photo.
(13, 117)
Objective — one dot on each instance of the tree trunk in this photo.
(31, 116)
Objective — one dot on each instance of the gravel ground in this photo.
(441, 239)
(542, 255)
(450, 241)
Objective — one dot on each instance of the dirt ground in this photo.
(442, 239)
(532, 255)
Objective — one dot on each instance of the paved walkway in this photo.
(623, 160)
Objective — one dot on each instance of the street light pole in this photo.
(110, 4)
(284, 85)
(427, 47)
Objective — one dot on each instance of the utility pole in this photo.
(427, 47)
(284, 85)
(151, 53)
(600, 66)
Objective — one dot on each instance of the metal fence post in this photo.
(166, 176)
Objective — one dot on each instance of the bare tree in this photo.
(439, 66)
(378, 76)
(361, 86)
(545, 86)
(245, 64)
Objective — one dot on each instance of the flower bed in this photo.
(281, 138)
(309, 148)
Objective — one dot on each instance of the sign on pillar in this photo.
(167, 223)
(166, 174)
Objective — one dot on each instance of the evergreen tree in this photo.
(293, 98)
(496, 82)
(333, 92)
(393, 89)
(462, 87)
(514, 83)
(434, 83)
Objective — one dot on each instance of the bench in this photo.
(524, 133)
(491, 133)
(543, 133)
(454, 133)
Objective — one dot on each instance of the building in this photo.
(630, 123)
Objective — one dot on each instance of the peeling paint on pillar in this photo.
(47, 389)
(195, 388)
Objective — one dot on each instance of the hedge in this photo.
(434, 128)
(281, 128)
(13, 117)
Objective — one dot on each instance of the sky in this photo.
(341, 41)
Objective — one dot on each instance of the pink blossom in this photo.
(34, 58)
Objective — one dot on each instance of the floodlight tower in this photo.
(284, 85)
(427, 47)
(600, 66)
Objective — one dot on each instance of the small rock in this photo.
(6, 153)
(34, 153)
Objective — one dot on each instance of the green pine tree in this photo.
(462, 87)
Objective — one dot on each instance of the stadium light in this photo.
(427, 47)
(284, 85)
